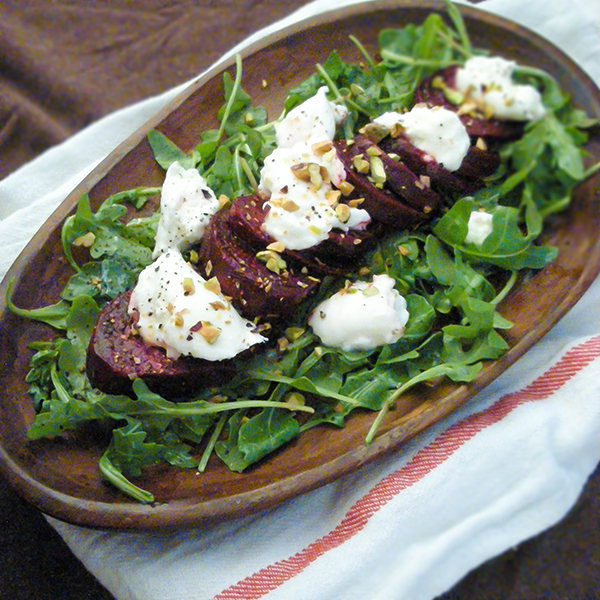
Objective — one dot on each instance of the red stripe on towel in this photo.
(271, 577)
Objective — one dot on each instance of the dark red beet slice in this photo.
(336, 255)
(383, 205)
(116, 356)
(400, 179)
(477, 164)
(256, 291)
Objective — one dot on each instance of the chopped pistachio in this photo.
(355, 202)
(342, 212)
(213, 285)
(377, 170)
(85, 240)
(272, 259)
(322, 147)
(360, 164)
(453, 96)
(480, 143)
(273, 265)
(188, 286)
(370, 290)
(293, 333)
(316, 177)
(217, 305)
(375, 132)
(300, 171)
(333, 197)
(276, 247)
(374, 151)
(289, 205)
(223, 201)
(329, 156)
(209, 332)
(282, 344)
(346, 188)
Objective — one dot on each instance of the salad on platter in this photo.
(300, 269)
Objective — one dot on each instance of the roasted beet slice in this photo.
(479, 163)
(382, 204)
(116, 356)
(476, 165)
(400, 179)
(489, 129)
(336, 255)
(256, 291)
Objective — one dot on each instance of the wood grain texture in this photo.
(61, 477)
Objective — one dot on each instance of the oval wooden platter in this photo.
(61, 477)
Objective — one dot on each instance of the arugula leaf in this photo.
(505, 247)
(166, 152)
(114, 475)
(250, 439)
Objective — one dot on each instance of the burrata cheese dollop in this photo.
(176, 309)
(186, 206)
(361, 316)
(299, 178)
(436, 131)
(479, 227)
(488, 80)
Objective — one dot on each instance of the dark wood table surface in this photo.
(65, 64)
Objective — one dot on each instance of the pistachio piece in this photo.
(209, 332)
(333, 197)
(342, 212)
(322, 147)
(377, 170)
(316, 176)
(188, 286)
(370, 291)
(346, 188)
(289, 205)
(276, 247)
(213, 285)
(300, 171)
(360, 164)
(85, 240)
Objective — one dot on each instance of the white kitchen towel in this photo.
(506, 466)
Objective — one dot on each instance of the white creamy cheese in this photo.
(437, 131)
(300, 214)
(479, 227)
(488, 80)
(362, 316)
(316, 119)
(186, 206)
(178, 310)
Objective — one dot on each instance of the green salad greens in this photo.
(452, 288)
